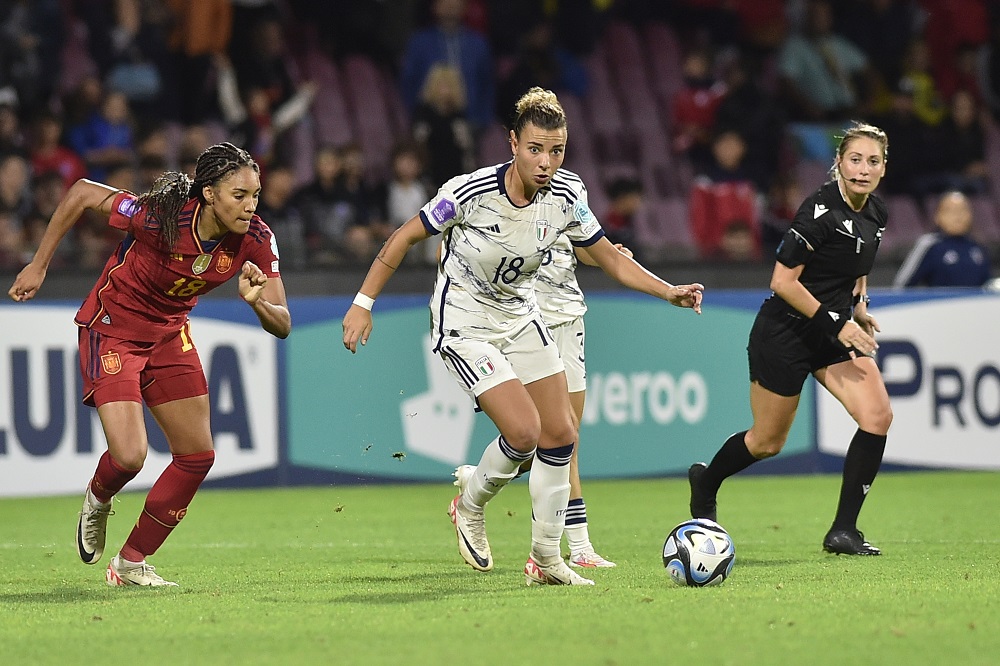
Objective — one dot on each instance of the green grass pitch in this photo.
(371, 575)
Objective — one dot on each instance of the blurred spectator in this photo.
(202, 30)
(403, 194)
(738, 242)
(966, 74)
(106, 137)
(268, 66)
(947, 257)
(11, 242)
(31, 37)
(928, 105)
(11, 136)
(337, 229)
(48, 154)
(405, 191)
(135, 51)
(953, 24)
(909, 139)
(760, 118)
(279, 210)
(882, 29)
(47, 190)
(624, 202)
(253, 124)
(784, 197)
(694, 106)
(15, 185)
(83, 102)
(539, 61)
(151, 166)
(959, 147)
(723, 194)
(988, 70)
(440, 126)
(123, 176)
(824, 75)
(450, 42)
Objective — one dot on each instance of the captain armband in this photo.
(794, 249)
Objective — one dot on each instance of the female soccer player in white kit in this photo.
(497, 225)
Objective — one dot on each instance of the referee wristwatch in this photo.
(862, 298)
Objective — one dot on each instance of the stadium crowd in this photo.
(697, 124)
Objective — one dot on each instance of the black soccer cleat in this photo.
(848, 542)
(702, 505)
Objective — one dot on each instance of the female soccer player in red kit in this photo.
(184, 238)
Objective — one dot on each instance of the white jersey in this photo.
(492, 249)
(559, 295)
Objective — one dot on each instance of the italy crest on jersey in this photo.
(201, 264)
(541, 229)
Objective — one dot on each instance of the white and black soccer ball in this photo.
(698, 553)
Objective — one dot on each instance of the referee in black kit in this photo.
(806, 326)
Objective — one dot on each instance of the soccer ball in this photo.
(698, 553)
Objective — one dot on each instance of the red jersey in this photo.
(146, 292)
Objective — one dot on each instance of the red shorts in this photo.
(152, 372)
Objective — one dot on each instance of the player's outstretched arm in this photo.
(266, 296)
(629, 273)
(358, 320)
(82, 195)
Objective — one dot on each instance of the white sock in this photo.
(577, 534)
(549, 489)
(496, 468)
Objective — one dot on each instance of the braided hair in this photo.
(172, 190)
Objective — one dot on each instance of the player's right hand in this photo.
(357, 326)
(26, 283)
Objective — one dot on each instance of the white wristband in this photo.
(363, 301)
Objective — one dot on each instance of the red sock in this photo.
(166, 504)
(109, 478)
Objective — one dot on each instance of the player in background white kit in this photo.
(497, 224)
(562, 304)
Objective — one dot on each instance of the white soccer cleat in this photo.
(555, 574)
(588, 559)
(471, 531)
(122, 573)
(92, 528)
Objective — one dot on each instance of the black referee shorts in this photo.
(785, 348)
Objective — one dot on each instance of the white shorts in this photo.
(570, 342)
(528, 355)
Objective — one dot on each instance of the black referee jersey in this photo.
(842, 244)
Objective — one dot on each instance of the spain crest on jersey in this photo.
(541, 229)
(225, 262)
(201, 264)
(112, 363)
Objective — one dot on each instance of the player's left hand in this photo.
(867, 322)
(686, 296)
(252, 282)
(624, 250)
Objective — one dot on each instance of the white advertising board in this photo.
(940, 361)
(50, 442)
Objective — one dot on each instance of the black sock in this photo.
(864, 456)
(731, 458)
